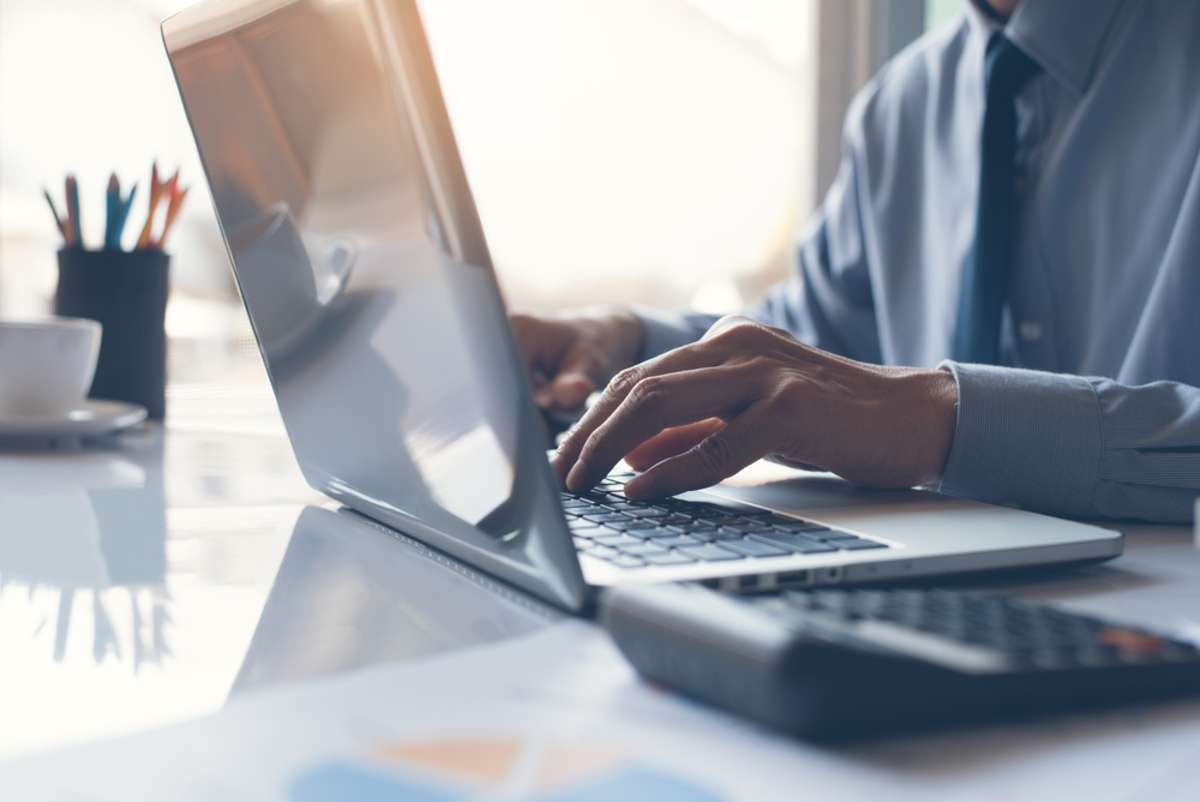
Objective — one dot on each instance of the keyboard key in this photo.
(641, 526)
(616, 540)
(627, 561)
(659, 532)
(796, 543)
(667, 558)
(607, 517)
(582, 543)
(710, 552)
(679, 540)
(755, 548)
(603, 552)
(835, 534)
(588, 529)
(860, 544)
(642, 548)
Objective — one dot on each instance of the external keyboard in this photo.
(637, 534)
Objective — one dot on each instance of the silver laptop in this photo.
(363, 265)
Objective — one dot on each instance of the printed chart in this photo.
(478, 769)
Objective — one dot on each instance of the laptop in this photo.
(363, 266)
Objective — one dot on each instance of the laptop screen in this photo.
(363, 267)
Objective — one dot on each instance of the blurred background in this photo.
(663, 152)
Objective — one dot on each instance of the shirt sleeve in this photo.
(1075, 446)
(826, 301)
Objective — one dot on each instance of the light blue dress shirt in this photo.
(1096, 412)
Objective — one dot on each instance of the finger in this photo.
(670, 442)
(745, 439)
(570, 390)
(688, 357)
(656, 403)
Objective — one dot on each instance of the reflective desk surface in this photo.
(150, 579)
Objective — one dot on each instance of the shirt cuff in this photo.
(1024, 438)
(663, 331)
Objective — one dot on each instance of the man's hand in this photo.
(571, 356)
(700, 413)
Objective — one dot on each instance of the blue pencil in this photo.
(123, 213)
(112, 203)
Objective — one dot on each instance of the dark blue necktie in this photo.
(981, 301)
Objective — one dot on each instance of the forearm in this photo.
(1075, 446)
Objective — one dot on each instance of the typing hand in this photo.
(700, 413)
(571, 356)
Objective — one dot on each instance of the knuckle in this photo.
(625, 380)
(758, 365)
(648, 392)
(738, 332)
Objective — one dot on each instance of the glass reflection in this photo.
(90, 527)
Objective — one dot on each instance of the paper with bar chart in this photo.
(486, 768)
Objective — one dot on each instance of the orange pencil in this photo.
(173, 206)
(156, 188)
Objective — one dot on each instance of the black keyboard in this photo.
(851, 663)
(636, 534)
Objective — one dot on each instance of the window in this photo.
(629, 150)
(652, 151)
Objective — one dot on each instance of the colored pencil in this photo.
(74, 223)
(58, 221)
(156, 188)
(173, 206)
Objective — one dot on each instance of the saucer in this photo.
(89, 418)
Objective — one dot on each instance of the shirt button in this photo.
(1031, 331)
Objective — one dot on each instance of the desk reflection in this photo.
(89, 525)
(351, 593)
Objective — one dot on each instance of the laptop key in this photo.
(642, 548)
(603, 552)
(710, 552)
(755, 548)
(659, 532)
(607, 517)
(679, 540)
(626, 561)
(796, 543)
(860, 544)
(616, 540)
(667, 558)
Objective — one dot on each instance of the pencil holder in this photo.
(126, 292)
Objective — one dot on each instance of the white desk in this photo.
(148, 581)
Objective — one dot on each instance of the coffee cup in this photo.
(46, 366)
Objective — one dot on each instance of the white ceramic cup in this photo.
(46, 366)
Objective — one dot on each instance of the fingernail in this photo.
(575, 477)
(633, 489)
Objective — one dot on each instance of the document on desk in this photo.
(558, 717)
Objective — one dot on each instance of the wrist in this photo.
(626, 333)
(942, 392)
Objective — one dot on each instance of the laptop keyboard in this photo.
(637, 534)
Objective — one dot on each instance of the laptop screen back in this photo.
(366, 276)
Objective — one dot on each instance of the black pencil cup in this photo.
(126, 292)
